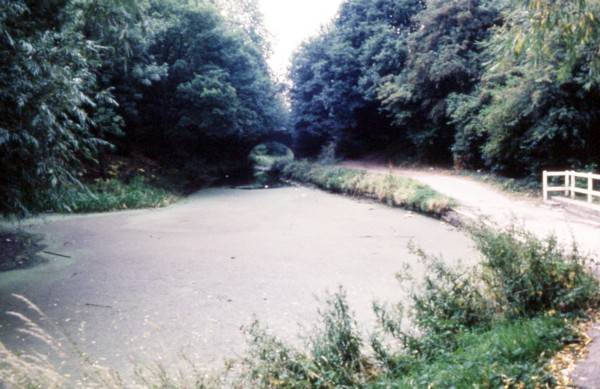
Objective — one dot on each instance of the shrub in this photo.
(520, 277)
(528, 276)
(337, 348)
(271, 363)
(50, 101)
(327, 156)
(335, 357)
(495, 326)
(448, 303)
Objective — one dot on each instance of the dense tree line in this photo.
(184, 82)
(508, 86)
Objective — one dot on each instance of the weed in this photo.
(327, 156)
(495, 326)
(389, 189)
(334, 360)
(510, 354)
(108, 195)
(446, 304)
(529, 276)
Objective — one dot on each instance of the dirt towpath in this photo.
(479, 200)
(144, 286)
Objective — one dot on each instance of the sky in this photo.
(290, 22)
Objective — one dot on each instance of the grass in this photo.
(392, 190)
(510, 354)
(108, 195)
(496, 326)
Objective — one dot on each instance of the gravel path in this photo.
(144, 286)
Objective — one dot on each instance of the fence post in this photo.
(590, 187)
(570, 181)
(545, 185)
(573, 184)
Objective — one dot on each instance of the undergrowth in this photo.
(510, 354)
(107, 195)
(496, 326)
(395, 191)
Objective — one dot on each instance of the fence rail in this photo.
(570, 187)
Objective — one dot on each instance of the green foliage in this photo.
(357, 85)
(270, 363)
(511, 354)
(336, 346)
(263, 158)
(106, 195)
(247, 16)
(559, 36)
(389, 189)
(445, 59)
(536, 107)
(523, 122)
(521, 277)
(335, 76)
(507, 86)
(334, 358)
(327, 156)
(528, 277)
(218, 99)
(123, 31)
(447, 304)
(171, 79)
(47, 90)
(464, 330)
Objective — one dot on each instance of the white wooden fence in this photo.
(572, 184)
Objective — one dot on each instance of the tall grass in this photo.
(107, 195)
(510, 354)
(45, 369)
(334, 359)
(395, 191)
(496, 326)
